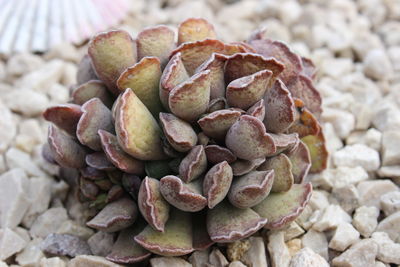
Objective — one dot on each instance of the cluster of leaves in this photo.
(182, 144)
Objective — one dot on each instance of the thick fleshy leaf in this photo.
(114, 193)
(302, 87)
(285, 142)
(248, 139)
(282, 166)
(99, 160)
(111, 53)
(157, 168)
(226, 223)
(237, 47)
(201, 238)
(65, 151)
(96, 116)
(216, 104)
(65, 117)
(156, 41)
(131, 183)
(301, 162)
(282, 208)
(117, 156)
(279, 108)
(88, 188)
(195, 29)
(173, 75)
(217, 182)
(92, 89)
(176, 240)
(144, 79)
(104, 184)
(281, 52)
(115, 216)
(257, 110)
(217, 124)
(152, 205)
(178, 132)
(318, 152)
(203, 139)
(244, 64)
(190, 99)
(47, 154)
(195, 53)
(92, 173)
(309, 68)
(250, 189)
(216, 154)
(215, 64)
(137, 131)
(125, 250)
(246, 91)
(193, 165)
(85, 71)
(306, 123)
(186, 197)
(241, 166)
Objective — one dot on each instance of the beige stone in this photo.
(278, 251)
(169, 261)
(255, 256)
(347, 197)
(365, 220)
(52, 262)
(91, 261)
(391, 226)
(345, 235)
(73, 228)
(235, 250)
(331, 217)
(292, 231)
(199, 258)
(390, 145)
(316, 241)
(48, 222)
(308, 258)
(101, 243)
(390, 202)
(370, 192)
(16, 158)
(294, 246)
(388, 251)
(361, 254)
(217, 259)
(31, 254)
(10, 243)
(357, 155)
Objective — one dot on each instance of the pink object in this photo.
(38, 25)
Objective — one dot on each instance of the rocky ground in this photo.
(353, 218)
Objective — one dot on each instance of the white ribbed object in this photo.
(38, 25)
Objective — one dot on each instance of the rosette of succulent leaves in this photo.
(176, 140)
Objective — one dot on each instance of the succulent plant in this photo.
(182, 144)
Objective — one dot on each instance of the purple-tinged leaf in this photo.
(282, 166)
(226, 223)
(176, 240)
(193, 165)
(217, 104)
(216, 154)
(92, 173)
(245, 64)
(195, 29)
(47, 154)
(99, 160)
(66, 152)
(85, 71)
(248, 139)
(186, 197)
(281, 52)
(250, 189)
(114, 193)
(125, 250)
(217, 182)
(115, 216)
(92, 89)
(257, 110)
(111, 53)
(285, 142)
(215, 64)
(96, 116)
(318, 152)
(65, 117)
(309, 68)
(203, 139)
(279, 108)
(190, 99)
(217, 124)
(241, 166)
(282, 208)
(137, 131)
(153, 207)
(89, 189)
(144, 79)
(302, 87)
(301, 162)
(195, 53)
(173, 75)
(104, 184)
(246, 91)
(117, 156)
(237, 47)
(178, 132)
(201, 238)
(131, 183)
(156, 41)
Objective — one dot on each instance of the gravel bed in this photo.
(353, 218)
